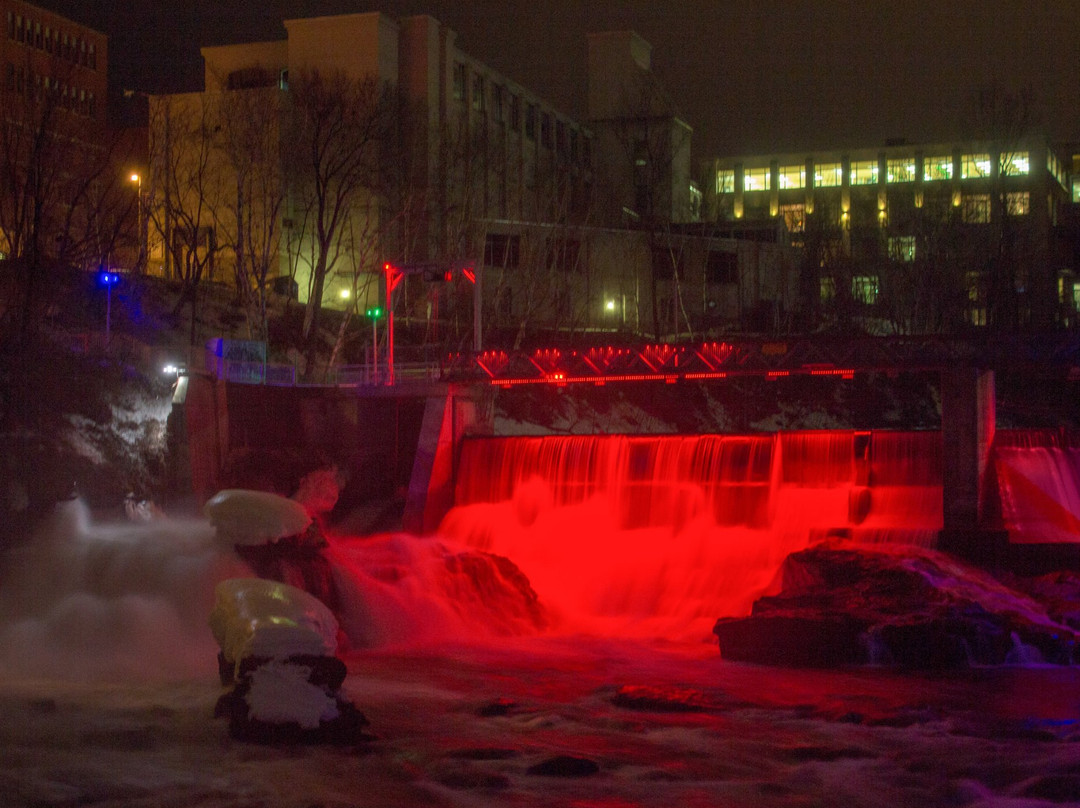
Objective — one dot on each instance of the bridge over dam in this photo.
(401, 443)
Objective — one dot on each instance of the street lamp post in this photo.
(137, 179)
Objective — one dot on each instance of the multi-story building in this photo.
(481, 174)
(919, 236)
(52, 84)
(479, 146)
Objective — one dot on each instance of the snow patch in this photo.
(255, 517)
(280, 693)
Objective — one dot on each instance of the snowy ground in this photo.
(108, 684)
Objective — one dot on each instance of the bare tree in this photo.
(338, 124)
(52, 161)
(250, 137)
(187, 189)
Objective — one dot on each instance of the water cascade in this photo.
(660, 535)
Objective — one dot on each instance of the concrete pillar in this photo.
(447, 419)
(967, 426)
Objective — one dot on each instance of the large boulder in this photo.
(846, 604)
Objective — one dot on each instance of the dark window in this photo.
(502, 250)
(565, 255)
(459, 81)
(249, 78)
(545, 130)
(478, 93)
(515, 113)
(667, 263)
(530, 122)
(498, 107)
(721, 267)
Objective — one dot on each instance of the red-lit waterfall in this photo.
(1037, 479)
(660, 535)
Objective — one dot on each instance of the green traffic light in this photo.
(374, 313)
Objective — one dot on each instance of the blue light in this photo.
(106, 278)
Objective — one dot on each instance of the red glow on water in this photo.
(659, 536)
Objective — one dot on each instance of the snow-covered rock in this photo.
(254, 617)
(255, 517)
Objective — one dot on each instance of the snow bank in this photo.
(254, 617)
(255, 517)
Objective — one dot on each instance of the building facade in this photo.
(919, 236)
(53, 88)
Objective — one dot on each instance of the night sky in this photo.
(748, 76)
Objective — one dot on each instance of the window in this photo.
(864, 289)
(565, 255)
(902, 248)
(827, 289)
(725, 181)
(864, 172)
(93, 56)
(794, 217)
(901, 170)
(48, 39)
(1076, 189)
(545, 130)
(976, 208)
(497, 106)
(561, 144)
(478, 93)
(515, 113)
(530, 122)
(459, 81)
(791, 177)
(973, 166)
(757, 179)
(1016, 164)
(667, 263)
(937, 168)
(502, 250)
(721, 267)
(828, 175)
(11, 25)
(1018, 203)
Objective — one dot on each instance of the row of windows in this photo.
(506, 108)
(974, 209)
(74, 49)
(35, 87)
(868, 172)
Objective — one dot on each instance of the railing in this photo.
(364, 375)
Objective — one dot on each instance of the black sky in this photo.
(748, 75)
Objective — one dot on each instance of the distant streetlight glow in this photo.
(610, 305)
(344, 294)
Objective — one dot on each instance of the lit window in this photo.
(1018, 203)
(902, 170)
(792, 177)
(1015, 165)
(725, 181)
(864, 172)
(973, 166)
(1076, 189)
(828, 175)
(827, 289)
(937, 168)
(902, 248)
(976, 208)
(794, 217)
(756, 179)
(864, 289)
